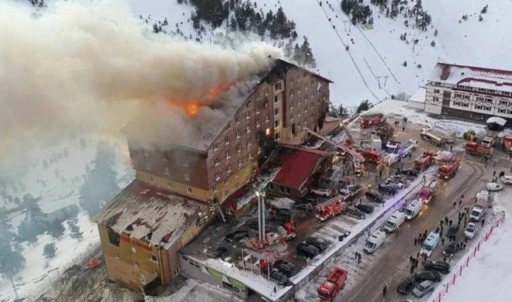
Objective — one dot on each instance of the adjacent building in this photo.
(468, 92)
(177, 190)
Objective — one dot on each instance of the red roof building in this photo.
(299, 170)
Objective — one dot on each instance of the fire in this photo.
(192, 109)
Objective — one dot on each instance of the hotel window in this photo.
(258, 124)
(229, 169)
(276, 111)
(148, 166)
(133, 250)
(239, 162)
(276, 123)
(458, 96)
(153, 258)
(189, 189)
(217, 176)
(277, 136)
(437, 90)
(169, 184)
(217, 161)
(237, 134)
(238, 149)
(465, 97)
(184, 162)
(237, 120)
(276, 99)
(248, 128)
(214, 188)
(187, 177)
(435, 99)
(215, 146)
(226, 140)
(265, 105)
(488, 101)
(228, 156)
(248, 115)
(166, 172)
(267, 119)
(278, 86)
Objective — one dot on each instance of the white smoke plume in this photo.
(92, 64)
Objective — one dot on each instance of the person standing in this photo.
(442, 241)
(385, 289)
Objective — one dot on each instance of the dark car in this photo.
(365, 208)
(319, 243)
(406, 285)
(254, 226)
(307, 250)
(355, 212)
(427, 275)
(452, 231)
(398, 178)
(437, 265)
(285, 267)
(237, 235)
(388, 187)
(375, 197)
(222, 253)
(410, 172)
(451, 249)
(278, 277)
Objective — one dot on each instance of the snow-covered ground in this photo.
(487, 274)
(372, 68)
(56, 175)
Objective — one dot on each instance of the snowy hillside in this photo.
(373, 68)
(53, 182)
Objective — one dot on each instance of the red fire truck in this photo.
(448, 168)
(507, 143)
(424, 161)
(332, 285)
(475, 148)
(428, 192)
(369, 120)
(370, 156)
(332, 207)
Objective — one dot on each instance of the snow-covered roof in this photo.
(149, 214)
(496, 120)
(472, 76)
(418, 96)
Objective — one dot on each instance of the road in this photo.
(392, 263)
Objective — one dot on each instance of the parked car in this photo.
(307, 250)
(427, 275)
(395, 181)
(237, 235)
(389, 188)
(365, 208)
(410, 172)
(422, 288)
(374, 196)
(452, 231)
(470, 230)
(278, 277)
(320, 243)
(355, 212)
(285, 267)
(451, 249)
(494, 187)
(222, 253)
(399, 178)
(437, 265)
(406, 285)
(507, 179)
(322, 192)
(477, 212)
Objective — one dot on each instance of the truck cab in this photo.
(413, 209)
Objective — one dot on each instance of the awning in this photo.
(496, 120)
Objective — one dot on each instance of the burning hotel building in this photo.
(178, 190)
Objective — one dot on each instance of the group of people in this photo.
(358, 257)
(414, 263)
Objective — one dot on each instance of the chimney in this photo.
(445, 73)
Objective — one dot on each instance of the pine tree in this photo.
(363, 106)
(309, 59)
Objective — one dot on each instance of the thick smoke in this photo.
(92, 65)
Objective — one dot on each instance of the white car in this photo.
(392, 146)
(507, 179)
(321, 192)
(470, 230)
(424, 287)
(493, 187)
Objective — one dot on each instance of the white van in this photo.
(507, 179)
(375, 240)
(430, 244)
(413, 209)
(394, 222)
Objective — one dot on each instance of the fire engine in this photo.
(384, 132)
(370, 156)
(369, 120)
(489, 140)
(284, 233)
(448, 168)
(332, 285)
(475, 148)
(333, 207)
(507, 143)
(428, 192)
(424, 161)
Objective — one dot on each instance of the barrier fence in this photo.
(465, 264)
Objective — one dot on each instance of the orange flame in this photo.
(192, 109)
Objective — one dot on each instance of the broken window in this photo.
(113, 237)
